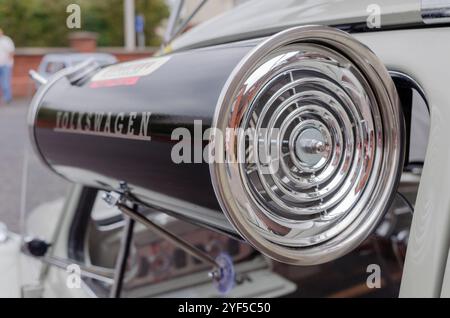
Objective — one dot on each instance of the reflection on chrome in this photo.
(331, 110)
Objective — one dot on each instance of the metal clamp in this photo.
(37, 78)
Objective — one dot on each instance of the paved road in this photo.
(41, 185)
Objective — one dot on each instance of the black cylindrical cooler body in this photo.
(308, 138)
(115, 124)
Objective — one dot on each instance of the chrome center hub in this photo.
(311, 147)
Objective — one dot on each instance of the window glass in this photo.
(53, 67)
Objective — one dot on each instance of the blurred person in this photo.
(7, 49)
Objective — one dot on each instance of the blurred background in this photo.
(109, 30)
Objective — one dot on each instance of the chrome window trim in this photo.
(411, 82)
(435, 11)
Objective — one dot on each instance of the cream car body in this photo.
(419, 52)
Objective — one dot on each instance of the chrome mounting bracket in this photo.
(222, 272)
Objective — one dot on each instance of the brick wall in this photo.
(21, 84)
(30, 58)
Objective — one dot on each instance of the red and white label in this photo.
(126, 74)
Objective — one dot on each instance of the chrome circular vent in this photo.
(313, 145)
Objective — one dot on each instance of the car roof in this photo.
(260, 18)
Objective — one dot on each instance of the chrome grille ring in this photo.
(313, 148)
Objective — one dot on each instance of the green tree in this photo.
(43, 22)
